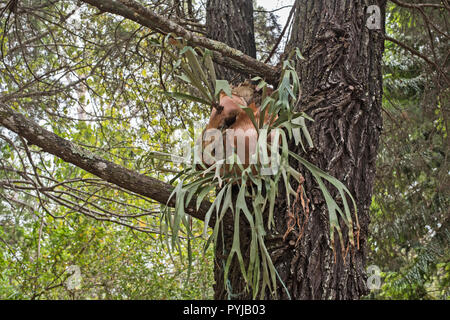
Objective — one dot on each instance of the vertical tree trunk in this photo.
(231, 22)
(341, 83)
(342, 90)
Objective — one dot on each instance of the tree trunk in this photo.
(231, 22)
(341, 81)
(342, 90)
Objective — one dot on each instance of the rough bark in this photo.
(342, 90)
(231, 22)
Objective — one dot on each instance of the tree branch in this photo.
(418, 5)
(224, 55)
(104, 169)
(274, 49)
(274, 10)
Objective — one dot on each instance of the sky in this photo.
(275, 4)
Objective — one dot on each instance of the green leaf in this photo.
(203, 192)
(210, 65)
(250, 114)
(222, 85)
(197, 68)
(299, 54)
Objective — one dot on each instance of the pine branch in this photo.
(418, 5)
(418, 54)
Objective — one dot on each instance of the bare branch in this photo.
(274, 49)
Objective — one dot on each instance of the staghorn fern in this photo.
(260, 273)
